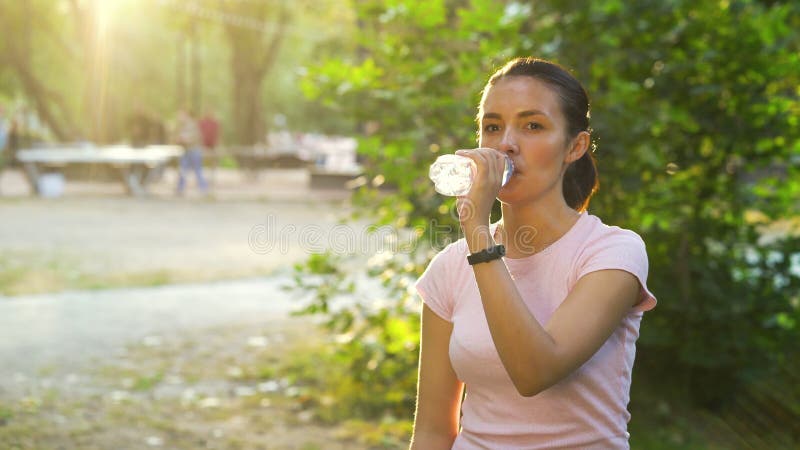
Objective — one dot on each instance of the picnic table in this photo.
(137, 167)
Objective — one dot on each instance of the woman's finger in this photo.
(494, 162)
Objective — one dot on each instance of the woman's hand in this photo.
(475, 207)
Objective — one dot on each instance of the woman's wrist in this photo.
(478, 237)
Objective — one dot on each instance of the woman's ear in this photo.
(579, 146)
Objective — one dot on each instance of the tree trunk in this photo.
(247, 109)
(251, 59)
(93, 57)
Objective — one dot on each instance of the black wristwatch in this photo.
(486, 255)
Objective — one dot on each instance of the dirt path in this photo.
(49, 333)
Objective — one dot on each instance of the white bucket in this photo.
(51, 185)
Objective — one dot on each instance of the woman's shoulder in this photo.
(444, 273)
(614, 247)
(600, 231)
(453, 251)
(603, 240)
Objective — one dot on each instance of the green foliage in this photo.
(370, 370)
(695, 108)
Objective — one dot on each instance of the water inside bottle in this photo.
(451, 174)
(508, 170)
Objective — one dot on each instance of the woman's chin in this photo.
(514, 190)
(506, 193)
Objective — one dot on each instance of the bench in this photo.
(137, 167)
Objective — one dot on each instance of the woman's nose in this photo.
(508, 143)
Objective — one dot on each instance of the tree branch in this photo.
(273, 48)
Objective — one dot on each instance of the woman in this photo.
(542, 339)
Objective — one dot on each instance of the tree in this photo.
(254, 51)
(88, 65)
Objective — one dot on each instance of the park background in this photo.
(695, 111)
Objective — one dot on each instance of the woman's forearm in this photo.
(524, 346)
(431, 441)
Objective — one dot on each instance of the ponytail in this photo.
(581, 181)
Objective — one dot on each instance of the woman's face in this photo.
(521, 117)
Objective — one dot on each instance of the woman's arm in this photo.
(438, 389)
(536, 356)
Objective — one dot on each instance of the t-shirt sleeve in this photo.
(435, 285)
(623, 250)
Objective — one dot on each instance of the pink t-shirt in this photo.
(587, 409)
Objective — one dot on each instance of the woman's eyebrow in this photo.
(531, 112)
(528, 113)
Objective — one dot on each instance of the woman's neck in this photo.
(525, 231)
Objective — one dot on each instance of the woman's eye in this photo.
(533, 126)
(490, 128)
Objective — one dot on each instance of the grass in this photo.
(228, 162)
(28, 273)
(5, 415)
(25, 280)
(25, 273)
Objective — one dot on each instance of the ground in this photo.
(95, 236)
(191, 356)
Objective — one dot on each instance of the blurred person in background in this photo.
(187, 134)
(209, 132)
(14, 135)
(5, 127)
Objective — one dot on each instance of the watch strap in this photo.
(486, 255)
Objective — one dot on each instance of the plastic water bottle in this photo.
(452, 174)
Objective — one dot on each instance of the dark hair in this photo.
(580, 179)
